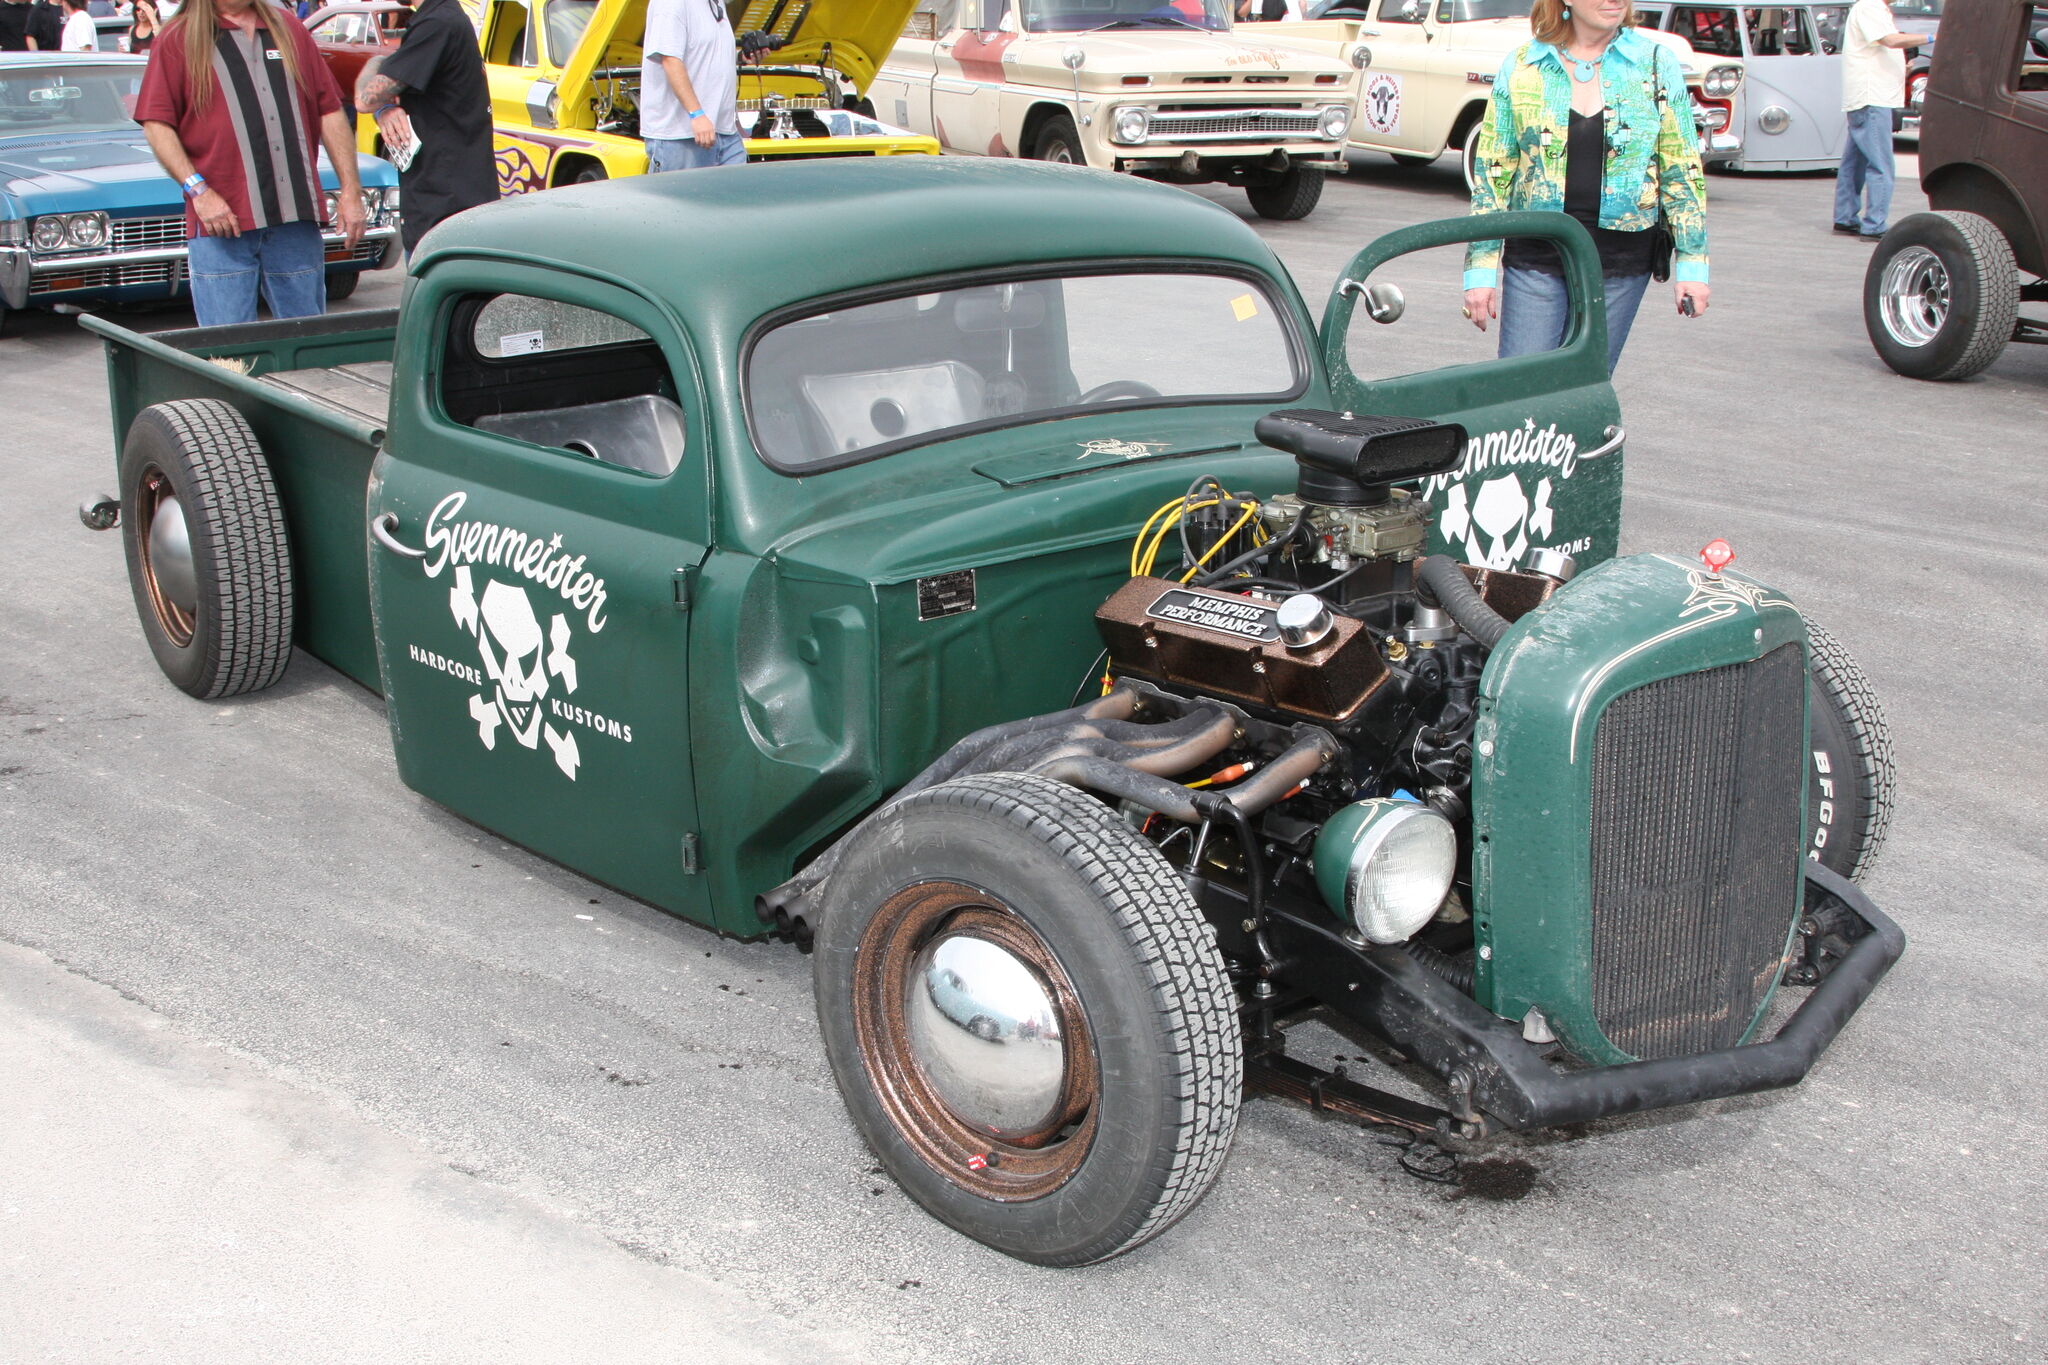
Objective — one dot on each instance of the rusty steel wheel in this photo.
(975, 1041)
(207, 554)
(1028, 1018)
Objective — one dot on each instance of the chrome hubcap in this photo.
(985, 1030)
(170, 555)
(1913, 296)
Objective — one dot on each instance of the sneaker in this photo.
(1849, 228)
(1870, 236)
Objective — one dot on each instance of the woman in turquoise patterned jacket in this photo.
(1591, 119)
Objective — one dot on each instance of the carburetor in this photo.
(1394, 529)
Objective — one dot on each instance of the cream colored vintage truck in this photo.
(1168, 91)
(1429, 67)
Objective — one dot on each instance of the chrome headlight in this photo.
(328, 202)
(48, 234)
(391, 213)
(1386, 866)
(1360, 57)
(1721, 81)
(85, 229)
(1130, 125)
(1775, 119)
(1334, 121)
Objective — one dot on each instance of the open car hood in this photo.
(861, 33)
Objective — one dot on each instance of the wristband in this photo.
(193, 184)
(695, 113)
(379, 111)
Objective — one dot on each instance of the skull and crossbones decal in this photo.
(1494, 525)
(519, 661)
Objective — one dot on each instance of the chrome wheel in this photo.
(1914, 296)
(165, 543)
(975, 1041)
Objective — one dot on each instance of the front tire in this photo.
(1102, 1109)
(1060, 142)
(208, 557)
(342, 283)
(1289, 196)
(1941, 296)
(1468, 160)
(1849, 775)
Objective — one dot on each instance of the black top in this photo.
(14, 22)
(449, 102)
(1585, 159)
(47, 27)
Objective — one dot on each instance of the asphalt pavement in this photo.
(297, 1066)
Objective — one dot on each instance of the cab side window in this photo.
(1778, 32)
(2030, 76)
(1709, 28)
(573, 379)
(1402, 11)
(508, 40)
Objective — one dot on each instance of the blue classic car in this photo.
(86, 214)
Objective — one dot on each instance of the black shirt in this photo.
(1585, 158)
(449, 102)
(46, 26)
(14, 23)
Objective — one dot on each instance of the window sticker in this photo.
(522, 343)
(1245, 306)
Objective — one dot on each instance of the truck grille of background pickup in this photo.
(1251, 124)
(1696, 845)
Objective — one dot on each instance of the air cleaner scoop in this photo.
(1353, 459)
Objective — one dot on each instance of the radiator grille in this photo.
(1696, 848)
(141, 234)
(1255, 124)
(107, 277)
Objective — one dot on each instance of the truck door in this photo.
(902, 90)
(968, 78)
(1395, 91)
(1542, 464)
(1788, 70)
(537, 518)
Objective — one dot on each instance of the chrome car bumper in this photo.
(25, 276)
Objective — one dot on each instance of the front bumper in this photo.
(1493, 1073)
(155, 272)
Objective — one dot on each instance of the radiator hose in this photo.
(1440, 582)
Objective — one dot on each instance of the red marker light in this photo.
(1718, 554)
(977, 1163)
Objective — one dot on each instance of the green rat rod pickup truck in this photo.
(1024, 604)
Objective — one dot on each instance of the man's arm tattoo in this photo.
(374, 90)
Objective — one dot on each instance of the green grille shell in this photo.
(1626, 625)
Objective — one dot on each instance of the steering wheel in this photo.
(1118, 388)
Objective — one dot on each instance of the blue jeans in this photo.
(288, 263)
(1535, 307)
(1866, 170)
(683, 153)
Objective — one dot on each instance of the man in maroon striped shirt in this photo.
(236, 103)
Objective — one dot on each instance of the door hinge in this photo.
(692, 863)
(682, 581)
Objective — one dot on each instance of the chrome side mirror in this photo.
(1385, 302)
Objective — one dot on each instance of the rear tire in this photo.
(1290, 195)
(1941, 295)
(590, 175)
(1113, 1087)
(1850, 781)
(208, 556)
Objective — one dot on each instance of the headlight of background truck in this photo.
(1335, 121)
(1130, 125)
(1720, 81)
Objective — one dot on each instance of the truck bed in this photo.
(315, 392)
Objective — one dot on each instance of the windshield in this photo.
(1463, 11)
(1081, 16)
(67, 99)
(566, 21)
(836, 387)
